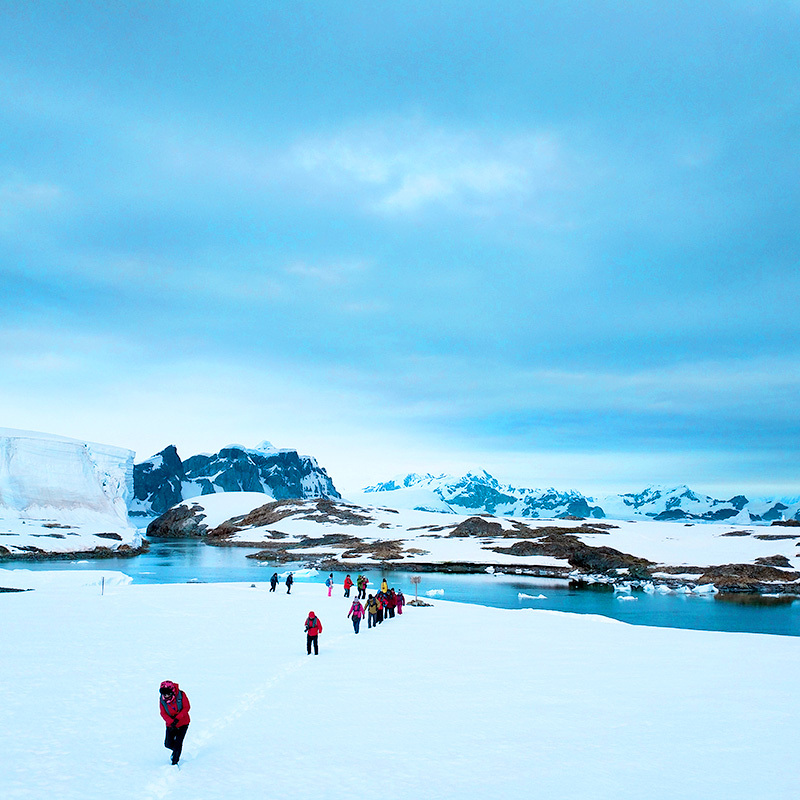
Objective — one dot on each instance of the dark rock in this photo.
(164, 480)
(477, 526)
(774, 561)
(746, 577)
(180, 522)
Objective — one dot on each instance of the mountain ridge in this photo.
(480, 492)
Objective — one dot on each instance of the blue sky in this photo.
(559, 242)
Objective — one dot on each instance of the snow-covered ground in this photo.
(452, 701)
(670, 543)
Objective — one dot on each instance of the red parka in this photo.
(175, 709)
(313, 625)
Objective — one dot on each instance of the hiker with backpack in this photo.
(273, 581)
(401, 601)
(348, 583)
(313, 630)
(329, 583)
(372, 612)
(356, 613)
(289, 582)
(174, 708)
(380, 600)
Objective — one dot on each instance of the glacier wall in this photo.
(56, 481)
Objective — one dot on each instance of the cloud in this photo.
(407, 166)
(328, 272)
(20, 197)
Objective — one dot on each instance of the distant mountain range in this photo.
(164, 480)
(482, 493)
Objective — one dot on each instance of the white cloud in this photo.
(328, 272)
(405, 166)
(20, 196)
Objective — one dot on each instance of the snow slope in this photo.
(452, 701)
(57, 494)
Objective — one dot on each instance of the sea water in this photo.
(190, 560)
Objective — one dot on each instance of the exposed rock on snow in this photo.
(164, 480)
(339, 535)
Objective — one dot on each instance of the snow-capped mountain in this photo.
(57, 494)
(475, 493)
(482, 493)
(681, 502)
(164, 480)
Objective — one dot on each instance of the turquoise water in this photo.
(179, 561)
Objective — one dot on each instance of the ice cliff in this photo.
(55, 492)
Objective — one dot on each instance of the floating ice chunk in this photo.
(648, 588)
(435, 592)
(300, 573)
(626, 597)
(624, 588)
(663, 589)
(706, 588)
(490, 570)
(523, 596)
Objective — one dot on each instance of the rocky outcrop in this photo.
(165, 480)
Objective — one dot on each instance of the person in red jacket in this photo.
(174, 707)
(348, 583)
(313, 630)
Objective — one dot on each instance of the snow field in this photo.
(443, 702)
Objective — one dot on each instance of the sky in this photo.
(557, 241)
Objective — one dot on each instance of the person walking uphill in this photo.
(273, 581)
(372, 612)
(348, 583)
(289, 582)
(174, 708)
(329, 583)
(313, 630)
(356, 613)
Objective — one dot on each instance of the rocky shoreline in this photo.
(37, 554)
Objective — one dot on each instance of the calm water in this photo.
(178, 561)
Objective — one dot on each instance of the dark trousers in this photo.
(372, 620)
(272, 587)
(174, 741)
(347, 592)
(312, 640)
(356, 623)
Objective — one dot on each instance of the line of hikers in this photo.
(378, 607)
(273, 582)
(174, 704)
(360, 584)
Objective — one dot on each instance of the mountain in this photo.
(475, 493)
(164, 480)
(61, 495)
(482, 493)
